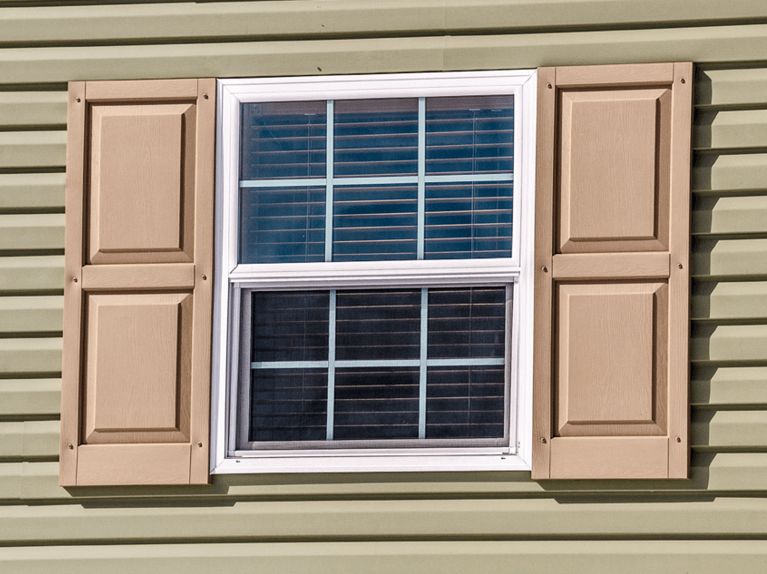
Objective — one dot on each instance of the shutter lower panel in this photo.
(138, 291)
(612, 279)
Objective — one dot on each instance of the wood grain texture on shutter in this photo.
(612, 282)
(138, 283)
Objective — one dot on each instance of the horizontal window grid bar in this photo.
(379, 363)
(382, 180)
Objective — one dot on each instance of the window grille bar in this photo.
(424, 350)
(329, 204)
(331, 364)
(421, 181)
(483, 362)
(380, 180)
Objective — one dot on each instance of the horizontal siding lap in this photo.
(31, 314)
(725, 88)
(731, 171)
(220, 21)
(31, 397)
(30, 356)
(31, 274)
(32, 109)
(731, 129)
(27, 232)
(729, 386)
(32, 149)
(380, 55)
(405, 519)
(32, 192)
(385, 557)
(722, 215)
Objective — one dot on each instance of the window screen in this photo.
(351, 181)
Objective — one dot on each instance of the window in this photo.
(373, 297)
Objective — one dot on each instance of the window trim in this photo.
(229, 278)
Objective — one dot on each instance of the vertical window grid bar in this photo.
(424, 348)
(331, 364)
(421, 176)
(329, 183)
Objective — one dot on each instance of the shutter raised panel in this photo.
(138, 291)
(612, 279)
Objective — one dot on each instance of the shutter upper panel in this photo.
(138, 291)
(612, 280)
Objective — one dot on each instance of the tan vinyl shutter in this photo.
(139, 283)
(612, 279)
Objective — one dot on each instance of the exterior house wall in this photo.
(437, 522)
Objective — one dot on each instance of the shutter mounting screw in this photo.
(205, 96)
(204, 277)
(70, 447)
(74, 279)
(77, 100)
(681, 80)
(544, 269)
(679, 265)
(543, 440)
(678, 439)
(548, 86)
(199, 444)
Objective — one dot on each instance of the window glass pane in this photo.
(470, 135)
(377, 403)
(283, 140)
(467, 323)
(282, 225)
(375, 222)
(288, 404)
(468, 220)
(465, 402)
(375, 137)
(290, 326)
(378, 325)
(295, 342)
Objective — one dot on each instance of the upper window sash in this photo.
(234, 93)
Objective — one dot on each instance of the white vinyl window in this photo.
(373, 306)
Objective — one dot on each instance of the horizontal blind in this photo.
(375, 137)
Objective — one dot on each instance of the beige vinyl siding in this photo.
(442, 522)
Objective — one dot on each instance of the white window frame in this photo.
(231, 278)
